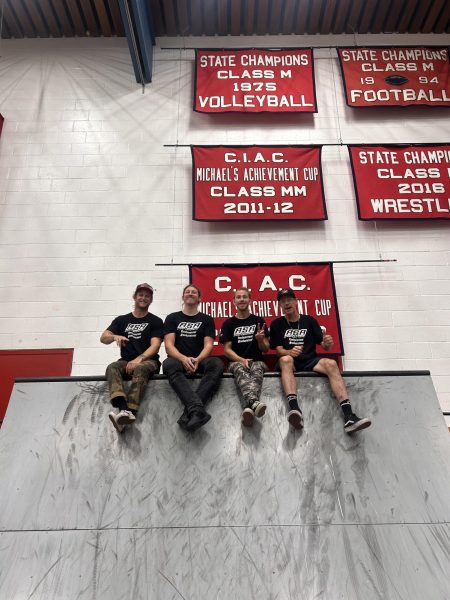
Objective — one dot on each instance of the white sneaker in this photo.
(247, 417)
(122, 418)
(259, 409)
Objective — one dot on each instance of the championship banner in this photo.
(401, 182)
(396, 76)
(250, 80)
(313, 284)
(254, 183)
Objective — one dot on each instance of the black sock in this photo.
(346, 408)
(292, 401)
(120, 402)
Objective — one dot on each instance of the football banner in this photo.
(248, 183)
(313, 284)
(396, 76)
(252, 80)
(401, 182)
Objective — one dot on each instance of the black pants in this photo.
(211, 368)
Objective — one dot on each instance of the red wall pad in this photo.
(31, 363)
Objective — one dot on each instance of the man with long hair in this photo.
(189, 337)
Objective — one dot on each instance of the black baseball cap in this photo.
(286, 292)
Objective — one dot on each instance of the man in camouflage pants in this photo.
(245, 339)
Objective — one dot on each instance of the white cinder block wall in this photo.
(91, 198)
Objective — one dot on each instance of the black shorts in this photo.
(302, 365)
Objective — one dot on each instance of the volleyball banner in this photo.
(251, 80)
(250, 183)
(396, 76)
(401, 182)
(313, 284)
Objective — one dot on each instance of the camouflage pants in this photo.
(248, 381)
(116, 374)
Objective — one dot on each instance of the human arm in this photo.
(108, 337)
(188, 362)
(232, 356)
(152, 350)
(327, 342)
(295, 351)
(261, 337)
(208, 345)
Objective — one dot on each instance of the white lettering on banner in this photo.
(232, 157)
(389, 67)
(409, 174)
(322, 307)
(213, 60)
(255, 74)
(409, 205)
(296, 282)
(406, 95)
(271, 174)
(274, 60)
(427, 156)
(252, 101)
(262, 308)
(217, 310)
(394, 54)
(216, 174)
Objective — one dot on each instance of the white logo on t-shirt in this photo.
(135, 330)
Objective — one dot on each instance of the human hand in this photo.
(260, 333)
(327, 342)
(190, 364)
(132, 364)
(296, 351)
(120, 340)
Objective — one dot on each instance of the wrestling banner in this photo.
(313, 284)
(249, 183)
(251, 80)
(401, 182)
(396, 76)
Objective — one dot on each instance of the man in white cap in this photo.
(294, 337)
(138, 335)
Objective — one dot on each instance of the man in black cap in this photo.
(138, 335)
(295, 337)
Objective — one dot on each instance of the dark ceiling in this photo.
(70, 18)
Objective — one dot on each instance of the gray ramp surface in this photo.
(264, 513)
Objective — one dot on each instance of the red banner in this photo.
(396, 76)
(249, 80)
(401, 182)
(254, 183)
(313, 284)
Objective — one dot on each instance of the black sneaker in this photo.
(197, 420)
(295, 418)
(354, 423)
(183, 420)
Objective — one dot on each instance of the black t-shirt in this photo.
(306, 331)
(190, 331)
(139, 331)
(241, 334)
